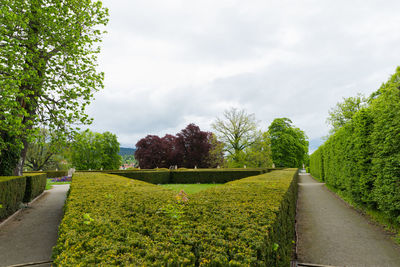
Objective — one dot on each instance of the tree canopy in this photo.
(190, 148)
(238, 130)
(289, 145)
(344, 111)
(95, 151)
(48, 54)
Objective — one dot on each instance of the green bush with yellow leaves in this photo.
(111, 220)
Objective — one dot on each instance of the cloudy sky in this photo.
(169, 63)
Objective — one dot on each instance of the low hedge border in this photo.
(190, 176)
(50, 174)
(12, 192)
(35, 185)
(111, 220)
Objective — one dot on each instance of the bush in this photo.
(362, 159)
(153, 177)
(189, 176)
(12, 191)
(111, 220)
(35, 185)
(210, 176)
(50, 174)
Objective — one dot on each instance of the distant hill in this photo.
(124, 151)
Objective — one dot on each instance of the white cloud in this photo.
(170, 63)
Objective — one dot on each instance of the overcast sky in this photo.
(169, 63)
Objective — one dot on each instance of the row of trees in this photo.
(237, 143)
(88, 150)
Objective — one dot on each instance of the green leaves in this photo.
(362, 157)
(48, 64)
(289, 145)
(95, 151)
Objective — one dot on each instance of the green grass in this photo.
(49, 183)
(188, 188)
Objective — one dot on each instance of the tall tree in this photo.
(195, 145)
(238, 130)
(95, 151)
(344, 111)
(48, 54)
(151, 152)
(289, 145)
(44, 152)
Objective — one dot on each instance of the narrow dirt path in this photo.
(332, 233)
(30, 236)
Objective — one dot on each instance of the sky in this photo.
(168, 63)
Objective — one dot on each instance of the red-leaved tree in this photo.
(189, 148)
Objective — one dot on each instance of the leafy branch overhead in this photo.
(48, 65)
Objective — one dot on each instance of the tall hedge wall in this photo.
(362, 158)
(111, 220)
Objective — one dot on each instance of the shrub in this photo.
(153, 177)
(50, 174)
(210, 176)
(111, 220)
(12, 191)
(35, 185)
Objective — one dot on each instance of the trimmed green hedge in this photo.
(12, 192)
(110, 220)
(210, 176)
(153, 177)
(35, 185)
(189, 176)
(50, 174)
(362, 159)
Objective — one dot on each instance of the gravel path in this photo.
(31, 234)
(332, 233)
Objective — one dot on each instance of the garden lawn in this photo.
(50, 183)
(189, 188)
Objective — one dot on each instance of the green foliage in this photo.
(12, 191)
(217, 176)
(237, 130)
(189, 188)
(317, 164)
(189, 176)
(48, 72)
(362, 158)
(95, 151)
(153, 177)
(44, 152)
(248, 222)
(289, 145)
(344, 111)
(35, 185)
(9, 153)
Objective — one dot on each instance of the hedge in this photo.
(189, 176)
(210, 176)
(12, 192)
(110, 220)
(50, 174)
(35, 185)
(153, 177)
(362, 159)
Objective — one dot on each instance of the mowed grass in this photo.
(188, 188)
(49, 184)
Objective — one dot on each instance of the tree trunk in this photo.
(18, 170)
